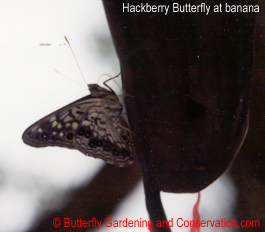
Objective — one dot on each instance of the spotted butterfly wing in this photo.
(94, 125)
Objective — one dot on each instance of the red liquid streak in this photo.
(196, 215)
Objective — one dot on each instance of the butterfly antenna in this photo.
(69, 78)
(102, 75)
(75, 59)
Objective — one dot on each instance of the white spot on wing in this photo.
(40, 130)
(86, 123)
(74, 125)
(54, 124)
(59, 126)
(68, 118)
(52, 118)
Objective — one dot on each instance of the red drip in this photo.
(196, 215)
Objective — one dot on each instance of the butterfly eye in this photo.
(62, 134)
(124, 137)
(44, 135)
(70, 136)
(106, 147)
(92, 143)
(81, 131)
(115, 152)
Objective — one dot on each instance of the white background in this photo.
(33, 180)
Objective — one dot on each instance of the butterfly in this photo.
(94, 125)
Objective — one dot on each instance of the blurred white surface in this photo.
(32, 180)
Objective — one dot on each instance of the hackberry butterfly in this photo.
(94, 125)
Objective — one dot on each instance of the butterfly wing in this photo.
(95, 126)
(104, 134)
(59, 127)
